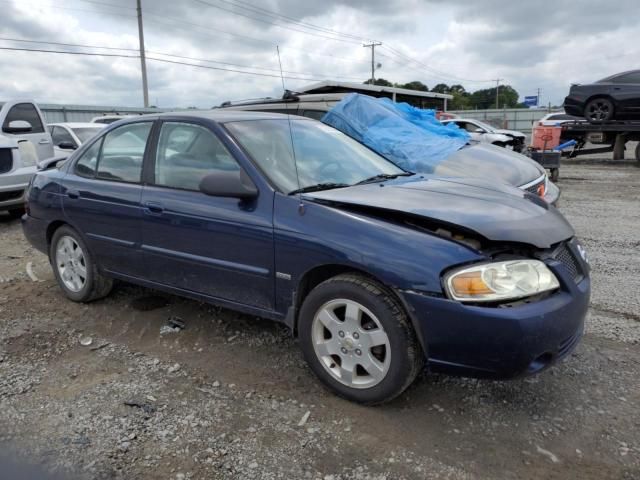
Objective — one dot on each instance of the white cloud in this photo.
(544, 44)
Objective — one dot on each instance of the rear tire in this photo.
(74, 268)
(638, 153)
(599, 110)
(369, 353)
(555, 174)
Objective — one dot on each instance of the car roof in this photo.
(616, 75)
(221, 115)
(77, 125)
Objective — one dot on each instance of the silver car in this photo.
(18, 160)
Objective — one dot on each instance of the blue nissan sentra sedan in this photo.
(376, 270)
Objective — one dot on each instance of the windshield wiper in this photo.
(319, 186)
(383, 176)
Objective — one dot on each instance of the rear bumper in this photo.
(573, 106)
(500, 343)
(35, 231)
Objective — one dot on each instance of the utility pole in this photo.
(498, 80)
(373, 46)
(143, 60)
(538, 98)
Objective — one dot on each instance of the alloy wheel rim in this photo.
(598, 111)
(351, 343)
(71, 264)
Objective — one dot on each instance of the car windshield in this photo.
(324, 155)
(486, 126)
(85, 133)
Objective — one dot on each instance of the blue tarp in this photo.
(410, 137)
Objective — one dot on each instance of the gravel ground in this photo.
(230, 396)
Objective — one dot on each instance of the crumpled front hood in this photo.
(514, 133)
(490, 162)
(498, 213)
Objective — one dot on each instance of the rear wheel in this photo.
(599, 110)
(555, 174)
(358, 340)
(74, 268)
(638, 153)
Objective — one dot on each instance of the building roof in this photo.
(328, 85)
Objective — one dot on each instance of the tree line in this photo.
(462, 99)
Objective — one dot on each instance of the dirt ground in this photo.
(227, 396)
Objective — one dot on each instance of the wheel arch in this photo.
(318, 274)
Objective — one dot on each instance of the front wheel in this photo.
(357, 339)
(74, 267)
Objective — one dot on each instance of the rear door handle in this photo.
(153, 208)
(73, 194)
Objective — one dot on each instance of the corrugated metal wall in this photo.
(84, 113)
(520, 119)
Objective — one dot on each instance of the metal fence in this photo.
(520, 119)
(84, 113)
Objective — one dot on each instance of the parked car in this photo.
(69, 136)
(23, 142)
(613, 98)
(485, 161)
(376, 270)
(485, 133)
(557, 118)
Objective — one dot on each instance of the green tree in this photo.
(486, 98)
(441, 88)
(380, 81)
(415, 85)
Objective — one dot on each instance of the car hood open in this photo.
(490, 162)
(498, 213)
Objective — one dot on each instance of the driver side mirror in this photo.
(236, 184)
(18, 126)
(67, 146)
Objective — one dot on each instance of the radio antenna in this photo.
(293, 147)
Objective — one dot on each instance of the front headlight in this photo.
(498, 281)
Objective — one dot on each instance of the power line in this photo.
(182, 57)
(275, 24)
(92, 54)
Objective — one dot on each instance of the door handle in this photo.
(44, 141)
(153, 208)
(73, 194)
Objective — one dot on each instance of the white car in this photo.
(557, 118)
(485, 133)
(69, 136)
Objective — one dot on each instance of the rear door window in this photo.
(633, 77)
(26, 112)
(122, 153)
(187, 153)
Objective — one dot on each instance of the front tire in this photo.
(599, 110)
(357, 339)
(74, 268)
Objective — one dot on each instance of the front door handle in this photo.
(44, 141)
(73, 194)
(153, 208)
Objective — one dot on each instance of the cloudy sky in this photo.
(545, 44)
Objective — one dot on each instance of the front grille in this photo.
(6, 160)
(534, 188)
(11, 195)
(564, 255)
